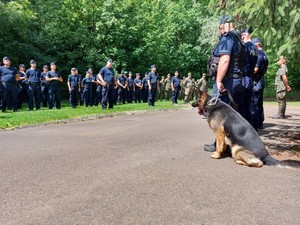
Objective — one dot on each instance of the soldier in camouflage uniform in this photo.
(168, 90)
(188, 84)
(162, 88)
(281, 83)
(182, 90)
(202, 85)
(193, 89)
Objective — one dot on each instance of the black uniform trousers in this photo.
(138, 95)
(34, 95)
(108, 93)
(9, 94)
(54, 96)
(44, 94)
(152, 95)
(22, 92)
(74, 96)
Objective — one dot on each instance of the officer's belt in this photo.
(8, 84)
(34, 83)
(232, 75)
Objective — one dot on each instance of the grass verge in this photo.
(25, 117)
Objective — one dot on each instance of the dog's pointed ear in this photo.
(201, 93)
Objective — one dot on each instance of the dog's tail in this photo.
(289, 164)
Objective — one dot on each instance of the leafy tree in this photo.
(277, 23)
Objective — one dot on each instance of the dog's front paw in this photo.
(215, 155)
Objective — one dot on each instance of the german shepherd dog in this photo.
(232, 129)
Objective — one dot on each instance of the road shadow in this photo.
(282, 137)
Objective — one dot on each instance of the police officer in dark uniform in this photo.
(153, 85)
(73, 83)
(145, 87)
(22, 86)
(81, 96)
(44, 86)
(175, 85)
(107, 78)
(9, 78)
(54, 77)
(98, 93)
(250, 59)
(138, 86)
(230, 68)
(87, 84)
(33, 76)
(129, 85)
(121, 81)
(257, 109)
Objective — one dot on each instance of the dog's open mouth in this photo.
(200, 111)
(196, 104)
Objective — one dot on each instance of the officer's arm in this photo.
(17, 77)
(149, 84)
(285, 82)
(119, 83)
(259, 58)
(49, 79)
(60, 79)
(26, 75)
(126, 85)
(172, 86)
(101, 79)
(69, 86)
(222, 69)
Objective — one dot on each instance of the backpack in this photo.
(213, 61)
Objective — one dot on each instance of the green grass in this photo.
(25, 117)
(288, 103)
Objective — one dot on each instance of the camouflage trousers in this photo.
(281, 98)
(188, 92)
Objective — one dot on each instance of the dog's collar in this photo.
(214, 100)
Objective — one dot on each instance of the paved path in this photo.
(138, 169)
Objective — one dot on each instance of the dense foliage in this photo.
(174, 34)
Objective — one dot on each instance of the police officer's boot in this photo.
(210, 148)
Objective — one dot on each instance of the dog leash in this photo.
(215, 100)
(234, 105)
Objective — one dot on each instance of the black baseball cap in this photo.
(225, 19)
(32, 62)
(6, 58)
(153, 66)
(21, 65)
(256, 40)
(53, 64)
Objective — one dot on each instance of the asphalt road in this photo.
(136, 169)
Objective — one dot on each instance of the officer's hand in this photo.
(288, 88)
(220, 87)
(150, 88)
(104, 83)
